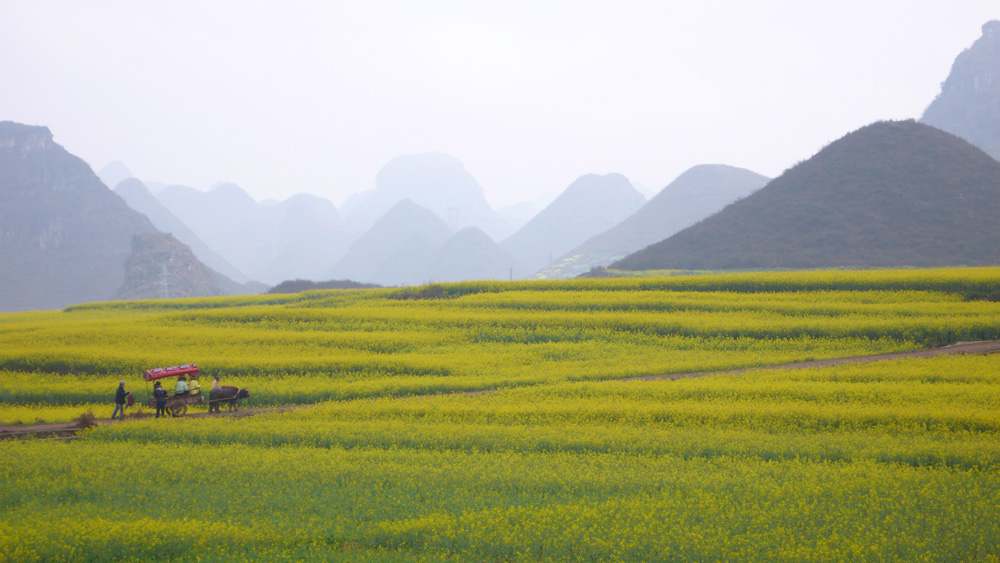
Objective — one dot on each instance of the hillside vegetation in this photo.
(890, 194)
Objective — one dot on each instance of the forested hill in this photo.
(889, 194)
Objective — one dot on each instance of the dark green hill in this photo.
(64, 236)
(889, 194)
(298, 286)
(969, 102)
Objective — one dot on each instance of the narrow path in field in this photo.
(980, 347)
(69, 429)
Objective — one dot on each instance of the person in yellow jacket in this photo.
(194, 388)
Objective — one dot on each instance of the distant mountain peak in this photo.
(991, 30)
(434, 180)
(591, 184)
(697, 193)
(590, 205)
(226, 187)
(397, 249)
(397, 173)
(969, 102)
(296, 238)
(114, 173)
(24, 138)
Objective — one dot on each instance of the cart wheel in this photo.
(178, 410)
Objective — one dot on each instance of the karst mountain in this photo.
(296, 238)
(65, 234)
(969, 102)
(139, 198)
(891, 194)
(590, 205)
(435, 181)
(697, 193)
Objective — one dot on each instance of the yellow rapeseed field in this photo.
(551, 459)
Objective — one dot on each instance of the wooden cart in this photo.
(176, 404)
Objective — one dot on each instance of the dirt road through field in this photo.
(980, 347)
(69, 429)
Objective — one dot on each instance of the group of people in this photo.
(182, 387)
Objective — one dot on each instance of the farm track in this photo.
(68, 430)
(979, 347)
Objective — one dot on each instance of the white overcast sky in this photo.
(283, 97)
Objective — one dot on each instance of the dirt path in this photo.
(68, 430)
(980, 347)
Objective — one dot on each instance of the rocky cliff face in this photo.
(138, 197)
(64, 235)
(969, 102)
(160, 267)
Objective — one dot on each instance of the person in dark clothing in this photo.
(160, 394)
(120, 396)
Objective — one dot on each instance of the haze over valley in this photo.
(890, 194)
(532, 282)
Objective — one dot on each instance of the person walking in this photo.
(160, 394)
(120, 396)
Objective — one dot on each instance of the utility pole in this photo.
(164, 284)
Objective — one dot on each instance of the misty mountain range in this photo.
(304, 237)
(68, 236)
(694, 195)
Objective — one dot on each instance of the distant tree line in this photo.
(297, 286)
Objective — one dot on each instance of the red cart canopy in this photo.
(174, 371)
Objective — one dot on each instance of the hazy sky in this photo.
(284, 97)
